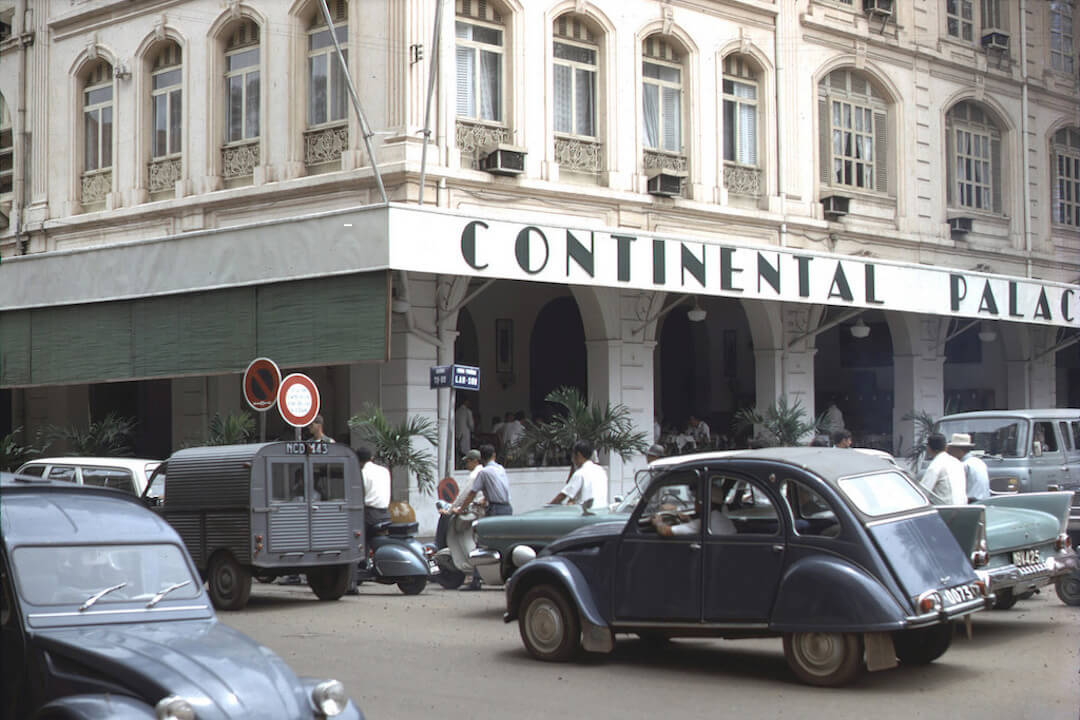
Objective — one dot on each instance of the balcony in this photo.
(474, 139)
(576, 154)
(323, 147)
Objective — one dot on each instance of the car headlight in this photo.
(329, 697)
(174, 708)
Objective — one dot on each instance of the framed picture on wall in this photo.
(504, 345)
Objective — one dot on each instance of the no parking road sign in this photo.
(261, 381)
(298, 400)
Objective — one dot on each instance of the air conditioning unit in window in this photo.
(881, 8)
(836, 206)
(994, 39)
(959, 225)
(665, 183)
(504, 160)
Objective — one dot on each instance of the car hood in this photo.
(545, 523)
(588, 535)
(1011, 528)
(220, 671)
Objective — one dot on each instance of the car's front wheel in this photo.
(449, 578)
(824, 658)
(1068, 588)
(229, 582)
(922, 646)
(549, 625)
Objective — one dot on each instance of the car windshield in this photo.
(73, 574)
(882, 493)
(155, 486)
(1004, 437)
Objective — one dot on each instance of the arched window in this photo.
(242, 96)
(575, 71)
(327, 91)
(7, 149)
(973, 152)
(741, 90)
(1062, 54)
(854, 132)
(662, 95)
(165, 93)
(97, 122)
(1065, 152)
(480, 57)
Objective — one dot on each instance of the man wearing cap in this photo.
(977, 477)
(493, 482)
(655, 452)
(472, 463)
(944, 476)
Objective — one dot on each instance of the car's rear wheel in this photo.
(329, 583)
(549, 626)
(1067, 588)
(823, 658)
(413, 585)
(1006, 598)
(229, 582)
(450, 579)
(922, 645)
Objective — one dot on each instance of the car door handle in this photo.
(778, 548)
(695, 546)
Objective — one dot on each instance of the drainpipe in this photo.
(22, 147)
(779, 114)
(1026, 194)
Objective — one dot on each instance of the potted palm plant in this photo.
(392, 445)
(108, 437)
(782, 424)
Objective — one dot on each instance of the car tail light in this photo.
(981, 587)
(258, 543)
(979, 558)
(929, 601)
(1064, 542)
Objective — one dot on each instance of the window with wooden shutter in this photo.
(973, 152)
(1065, 156)
(854, 126)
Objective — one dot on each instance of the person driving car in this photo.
(719, 522)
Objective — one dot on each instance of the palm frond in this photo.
(781, 424)
(609, 428)
(109, 437)
(392, 443)
(12, 454)
(233, 429)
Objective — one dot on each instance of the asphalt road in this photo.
(447, 654)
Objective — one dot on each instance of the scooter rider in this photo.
(495, 485)
(376, 491)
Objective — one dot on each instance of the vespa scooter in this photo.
(396, 557)
(454, 540)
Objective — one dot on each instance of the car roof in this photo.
(123, 462)
(43, 512)
(828, 463)
(1030, 414)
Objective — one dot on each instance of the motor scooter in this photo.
(396, 557)
(454, 541)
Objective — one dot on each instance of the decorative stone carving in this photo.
(96, 185)
(325, 144)
(579, 155)
(657, 160)
(239, 160)
(742, 180)
(471, 138)
(164, 174)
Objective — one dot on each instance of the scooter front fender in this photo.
(399, 560)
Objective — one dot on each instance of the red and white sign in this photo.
(298, 400)
(261, 382)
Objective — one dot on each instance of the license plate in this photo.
(1026, 557)
(961, 594)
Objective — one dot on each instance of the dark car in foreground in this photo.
(837, 553)
(104, 615)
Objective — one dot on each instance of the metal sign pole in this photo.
(451, 433)
(262, 427)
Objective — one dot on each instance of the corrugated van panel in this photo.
(187, 526)
(231, 530)
(288, 529)
(329, 528)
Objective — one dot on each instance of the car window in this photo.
(740, 506)
(813, 514)
(33, 470)
(1004, 437)
(1076, 433)
(155, 486)
(674, 498)
(287, 482)
(71, 574)
(1043, 432)
(882, 493)
(1066, 437)
(114, 478)
(329, 481)
(59, 472)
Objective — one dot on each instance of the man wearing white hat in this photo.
(944, 476)
(975, 472)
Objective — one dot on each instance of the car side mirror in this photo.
(618, 499)
(1036, 448)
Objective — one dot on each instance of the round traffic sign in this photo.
(298, 400)
(261, 381)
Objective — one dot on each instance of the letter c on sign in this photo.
(468, 244)
(1065, 305)
(521, 249)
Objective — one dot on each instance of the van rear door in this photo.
(289, 525)
(329, 513)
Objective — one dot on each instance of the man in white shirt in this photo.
(700, 432)
(976, 476)
(512, 431)
(464, 424)
(588, 481)
(944, 476)
(719, 522)
(376, 490)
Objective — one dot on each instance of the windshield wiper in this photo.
(157, 598)
(100, 594)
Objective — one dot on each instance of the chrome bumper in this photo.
(1026, 577)
(489, 564)
(950, 613)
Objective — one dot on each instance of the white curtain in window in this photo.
(317, 81)
(748, 134)
(585, 102)
(338, 98)
(491, 86)
(672, 119)
(651, 115)
(563, 99)
(466, 71)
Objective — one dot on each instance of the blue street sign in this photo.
(459, 377)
